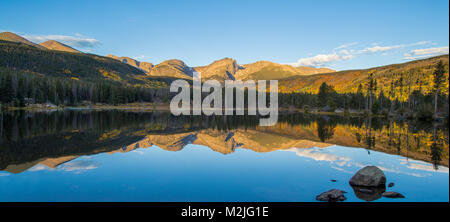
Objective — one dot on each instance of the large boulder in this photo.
(369, 176)
(332, 195)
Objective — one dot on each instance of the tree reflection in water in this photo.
(30, 136)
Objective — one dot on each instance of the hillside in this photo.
(417, 74)
(21, 56)
(9, 36)
(55, 45)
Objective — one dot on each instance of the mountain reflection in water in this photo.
(28, 138)
(63, 140)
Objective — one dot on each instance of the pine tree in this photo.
(438, 80)
(400, 83)
(392, 96)
(360, 96)
(7, 91)
(325, 95)
(370, 88)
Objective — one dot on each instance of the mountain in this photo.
(415, 74)
(145, 66)
(51, 44)
(227, 69)
(172, 68)
(220, 70)
(264, 70)
(55, 45)
(9, 36)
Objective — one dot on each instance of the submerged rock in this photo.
(390, 184)
(392, 194)
(332, 195)
(368, 193)
(369, 176)
(333, 180)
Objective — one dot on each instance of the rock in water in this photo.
(390, 184)
(332, 195)
(368, 193)
(369, 176)
(392, 194)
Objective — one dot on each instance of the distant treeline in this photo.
(17, 88)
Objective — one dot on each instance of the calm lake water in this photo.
(144, 156)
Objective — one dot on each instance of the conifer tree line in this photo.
(19, 88)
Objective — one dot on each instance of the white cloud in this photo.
(422, 43)
(77, 41)
(346, 45)
(437, 50)
(344, 52)
(138, 152)
(424, 53)
(39, 167)
(420, 165)
(319, 155)
(380, 48)
(322, 59)
(377, 48)
(77, 165)
(346, 164)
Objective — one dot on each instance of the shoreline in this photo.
(128, 106)
(160, 107)
(150, 107)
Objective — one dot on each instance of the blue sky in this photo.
(338, 34)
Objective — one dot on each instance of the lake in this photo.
(82, 155)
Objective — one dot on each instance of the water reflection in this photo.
(28, 138)
(59, 156)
